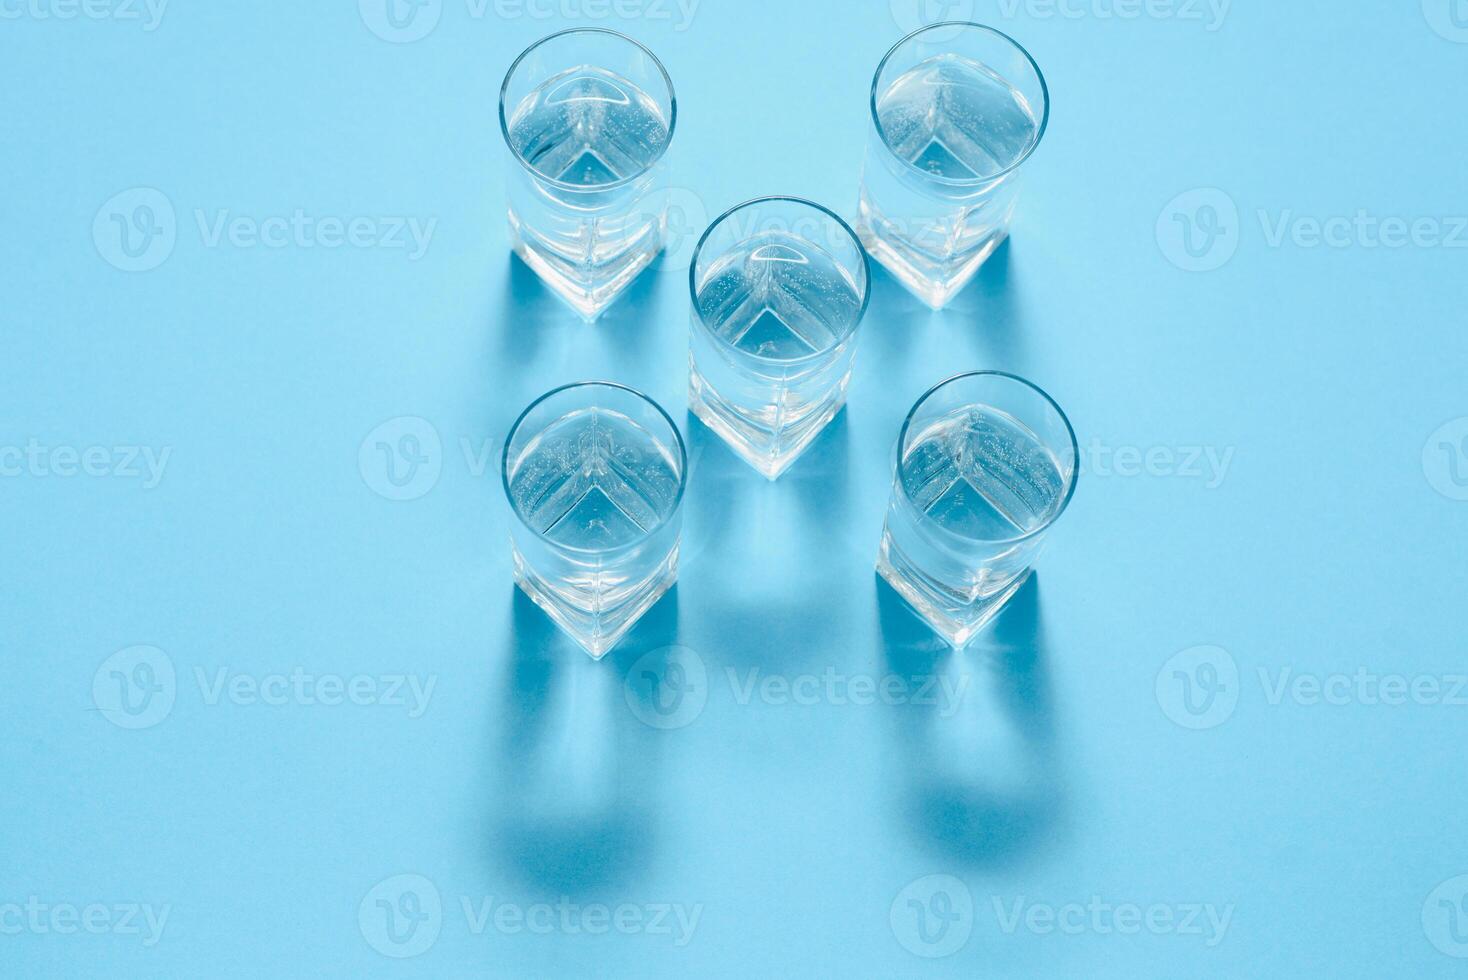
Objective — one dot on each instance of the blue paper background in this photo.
(1332, 543)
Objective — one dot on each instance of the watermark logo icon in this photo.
(136, 230)
(1445, 460)
(401, 21)
(1199, 687)
(1445, 917)
(667, 688)
(1198, 231)
(135, 687)
(911, 15)
(685, 217)
(402, 458)
(401, 916)
(1449, 18)
(933, 916)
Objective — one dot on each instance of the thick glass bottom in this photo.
(770, 449)
(597, 627)
(933, 280)
(954, 619)
(588, 288)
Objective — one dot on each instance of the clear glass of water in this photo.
(986, 463)
(779, 286)
(956, 109)
(595, 474)
(587, 116)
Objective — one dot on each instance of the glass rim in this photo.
(1075, 448)
(663, 521)
(866, 271)
(959, 181)
(582, 188)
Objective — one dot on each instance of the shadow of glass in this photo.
(529, 307)
(729, 503)
(820, 480)
(630, 323)
(892, 316)
(769, 558)
(978, 781)
(574, 779)
(987, 311)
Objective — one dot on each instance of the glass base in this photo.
(588, 289)
(933, 281)
(597, 629)
(958, 624)
(769, 450)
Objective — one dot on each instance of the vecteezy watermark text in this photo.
(35, 459)
(301, 687)
(669, 687)
(679, 13)
(406, 21)
(1210, 13)
(1200, 688)
(1201, 230)
(138, 229)
(935, 915)
(137, 687)
(1362, 230)
(1097, 917)
(301, 230)
(147, 13)
(839, 689)
(403, 916)
(911, 15)
(569, 918)
(1206, 464)
(42, 918)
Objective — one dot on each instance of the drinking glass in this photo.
(587, 116)
(986, 463)
(956, 109)
(779, 286)
(595, 474)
